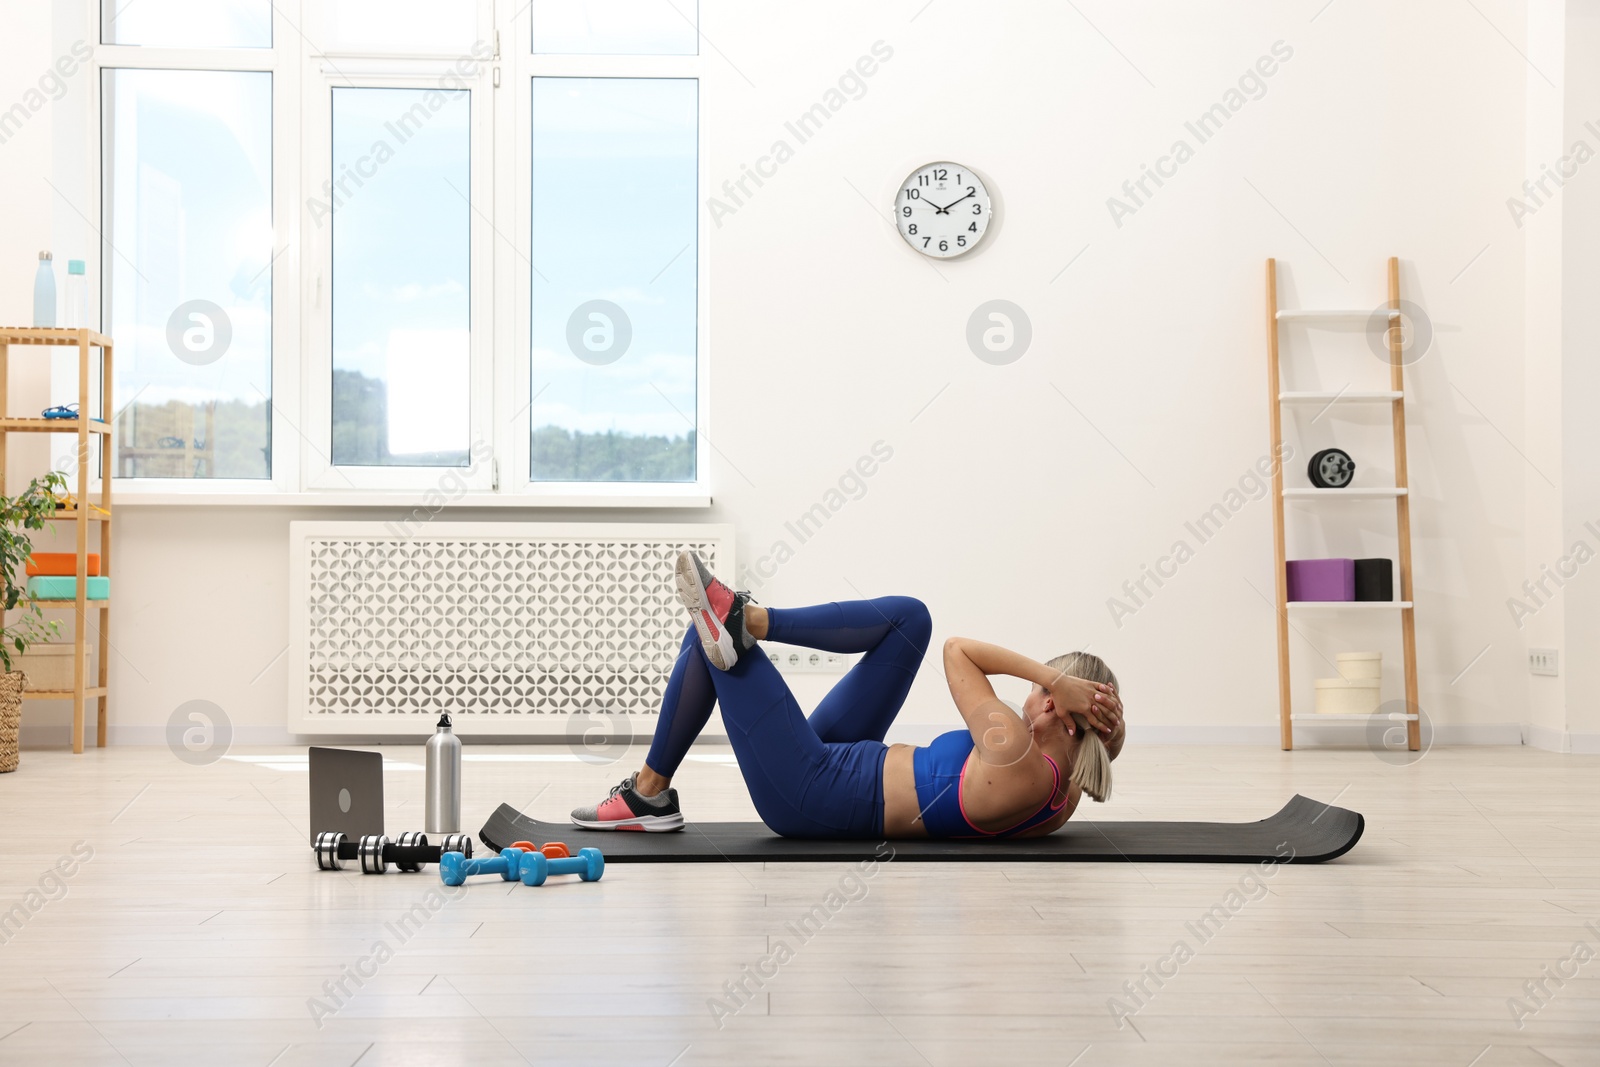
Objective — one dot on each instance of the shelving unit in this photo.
(1394, 396)
(81, 515)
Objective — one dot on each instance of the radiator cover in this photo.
(511, 628)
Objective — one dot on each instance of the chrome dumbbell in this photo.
(376, 852)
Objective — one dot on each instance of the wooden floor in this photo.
(200, 932)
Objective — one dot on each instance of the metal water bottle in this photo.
(443, 762)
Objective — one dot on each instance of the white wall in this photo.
(1580, 377)
(1016, 514)
(25, 230)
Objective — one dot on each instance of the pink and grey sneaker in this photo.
(626, 809)
(718, 611)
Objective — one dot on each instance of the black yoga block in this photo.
(1374, 579)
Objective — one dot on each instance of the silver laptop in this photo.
(346, 792)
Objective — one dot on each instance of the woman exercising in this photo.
(831, 775)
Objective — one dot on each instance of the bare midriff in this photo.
(901, 812)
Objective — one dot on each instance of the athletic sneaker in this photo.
(626, 809)
(718, 611)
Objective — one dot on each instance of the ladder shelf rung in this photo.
(1333, 313)
(1346, 396)
(1351, 605)
(1381, 493)
(1381, 716)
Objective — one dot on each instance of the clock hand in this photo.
(946, 209)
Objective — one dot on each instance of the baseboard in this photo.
(1338, 733)
(1553, 740)
(59, 735)
(1262, 734)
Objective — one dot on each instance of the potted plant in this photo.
(19, 515)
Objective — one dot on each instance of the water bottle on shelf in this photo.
(75, 311)
(443, 786)
(44, 293)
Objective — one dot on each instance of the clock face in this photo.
(942, 210)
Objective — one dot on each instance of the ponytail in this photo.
(1091, 767)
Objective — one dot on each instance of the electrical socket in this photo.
(792, 659)
(1544, 661)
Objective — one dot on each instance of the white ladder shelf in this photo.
(1395, 397)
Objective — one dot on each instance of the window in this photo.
(402, 320)
(187, 23)
(414, 26)
(372, 245)
(188, 222)
(617, 27)
(614, 316)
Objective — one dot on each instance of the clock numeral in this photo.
(940, 174)
(944, 246)
(922, 179)
(977, 209)
(972, 228)
(972, 190)
(925, 241)
(961, 240)
(912, 229)
(913, 194)
(906, 211)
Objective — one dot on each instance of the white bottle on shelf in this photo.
(44, 293)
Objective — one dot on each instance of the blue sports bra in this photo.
(940, 772)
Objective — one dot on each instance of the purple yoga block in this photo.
(1322, 579)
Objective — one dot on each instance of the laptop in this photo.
(346, 793)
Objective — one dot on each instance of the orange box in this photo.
(61, 564)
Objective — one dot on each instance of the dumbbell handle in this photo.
(395, 853)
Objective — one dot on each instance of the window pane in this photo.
(401, 26)
(615, 279)
(187, 270)
(621, 27)
(187, 23)
(401, 222)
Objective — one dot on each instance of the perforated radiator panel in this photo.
(511, 628)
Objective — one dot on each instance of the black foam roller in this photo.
(1375, 579)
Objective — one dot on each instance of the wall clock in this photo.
(942, 210)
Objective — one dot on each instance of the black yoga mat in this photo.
(1305, 831)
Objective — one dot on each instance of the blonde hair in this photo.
(1091, 767)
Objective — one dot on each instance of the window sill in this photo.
(689, 497)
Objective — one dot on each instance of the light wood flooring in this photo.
(199, 932)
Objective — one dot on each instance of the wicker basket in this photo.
(10, 718)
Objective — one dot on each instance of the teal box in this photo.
(65, 587)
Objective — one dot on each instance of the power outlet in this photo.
(792, 659)
(1545, 661)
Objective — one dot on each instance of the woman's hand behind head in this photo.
(1097, 702)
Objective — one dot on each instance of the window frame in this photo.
(301, 421)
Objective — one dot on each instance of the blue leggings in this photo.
(816, 777)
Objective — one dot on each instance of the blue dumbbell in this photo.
(455, 868)
(588, 864)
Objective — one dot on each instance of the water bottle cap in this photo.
(74, 266)
(45, 255)
(444, 721)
